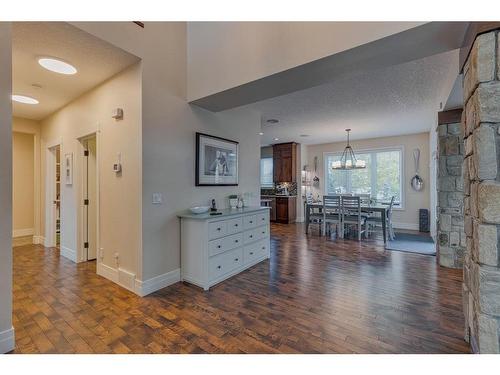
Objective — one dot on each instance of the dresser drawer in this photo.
(224, 263)
(249, 221)
(262, 232)
(217, 229)
(255, 251)
(235, 225)
(224, 244)
(263, 218)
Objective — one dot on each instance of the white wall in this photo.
(168, 141)
(222, 55)
(23, 184)
(6, 329)
(120, 195)
(408, 217)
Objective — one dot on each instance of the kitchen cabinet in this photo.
(285, 162)
(286, 209)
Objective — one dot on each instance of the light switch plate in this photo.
(157, 198)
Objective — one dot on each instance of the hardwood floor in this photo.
(313, 296)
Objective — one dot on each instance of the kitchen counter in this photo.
(224, 213)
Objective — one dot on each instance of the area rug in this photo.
(412, 243)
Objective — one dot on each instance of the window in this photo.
(381, 178)
(266, 172)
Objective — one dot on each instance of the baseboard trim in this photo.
(108, 272)
(38, 240)
(300, 219)
(408, 226)
(23, 232)
(68, 253)
(143, 288)
(7, 340)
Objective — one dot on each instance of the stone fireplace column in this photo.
(450, 232)
(481, 121)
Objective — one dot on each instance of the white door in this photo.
(90, 198)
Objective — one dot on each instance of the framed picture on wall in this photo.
(216, 161)
(68, 169)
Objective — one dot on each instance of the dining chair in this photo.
(331, 213)
(351, 215)
(315, 216)
(365, 199)
(373, 221)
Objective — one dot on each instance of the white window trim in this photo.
(400, 148)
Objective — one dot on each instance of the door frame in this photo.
(50, 189)
(80, 159)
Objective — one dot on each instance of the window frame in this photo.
(401, 151)
(271, 185)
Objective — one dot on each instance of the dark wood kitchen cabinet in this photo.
(285, 162)
(286, 210)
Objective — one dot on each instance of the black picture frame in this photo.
(201, 177)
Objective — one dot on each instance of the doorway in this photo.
(90, 197)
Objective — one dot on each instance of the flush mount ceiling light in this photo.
(24, 99)
(348, 159)
(276, 139)
(57, 66)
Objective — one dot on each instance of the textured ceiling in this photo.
(396, 100)
(95, 60)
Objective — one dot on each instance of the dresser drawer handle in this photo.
(236, 259)
(218, 246)
(251, 252)
(218, 228)
(263, 247)
(251, 222)
(264, 232)
(236, 241)
(218, 267)
(251, 236)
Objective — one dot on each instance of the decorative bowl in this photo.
(199, 209)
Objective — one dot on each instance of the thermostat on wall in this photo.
(117, 114)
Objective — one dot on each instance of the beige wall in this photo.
(407, 217)
(6, 329)
(169, 125)
(23, 184)
(32, 127)
(120, 205)
(222, 55)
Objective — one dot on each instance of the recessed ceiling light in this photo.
(57, 66)
(261, 133)
(24, 99)
(272, 121)
(304, 135)
(276, 139)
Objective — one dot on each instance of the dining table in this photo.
(374, 208)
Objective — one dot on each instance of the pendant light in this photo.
(348, 159)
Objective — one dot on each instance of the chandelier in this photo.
(348, 159)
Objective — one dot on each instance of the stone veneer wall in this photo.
(481, 287)
(451, 234)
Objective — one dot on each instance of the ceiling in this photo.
(395, 100)
(95, 60)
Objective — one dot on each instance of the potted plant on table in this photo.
(233, 201)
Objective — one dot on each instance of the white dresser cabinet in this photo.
(214, 248)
